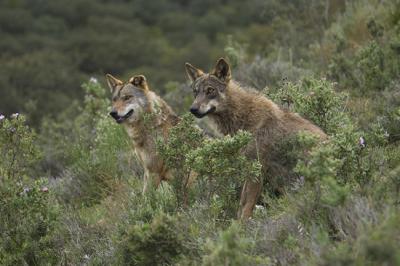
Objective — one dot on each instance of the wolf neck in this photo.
(160, 119)
(137, 132)
(244, 110)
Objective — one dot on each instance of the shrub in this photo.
(315, 99)
(27, 224)
(95, 152)
(217, 164)
(17, 148)
(231, 249)
(319, 102)
(389, 116)
(160, 242)
(371, 67)
(377, 245)
(28, 213)
(183, 138)
(261, 73)
(222, 169)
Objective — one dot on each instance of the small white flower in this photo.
(260, 207)
(45, 189)
(15, 115)
(25, 191)
(86, 257)
(361, 141)
(386, 134)
(2, 117)
(300, 228)
(93, 80)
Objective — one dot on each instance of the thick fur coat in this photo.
(234, 108)
(145, 117)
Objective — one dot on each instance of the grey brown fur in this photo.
(131, 101)
(234, 108)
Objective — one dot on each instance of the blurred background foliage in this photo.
(49, 47)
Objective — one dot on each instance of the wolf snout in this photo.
(114, 114)
(194, 110)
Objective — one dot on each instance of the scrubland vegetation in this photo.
(70, 185)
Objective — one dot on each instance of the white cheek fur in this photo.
(132, 106)
(206, 107)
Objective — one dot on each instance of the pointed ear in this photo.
(139, 81)
(222, 70)
(112, 82)
(192, 72)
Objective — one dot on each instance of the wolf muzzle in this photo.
(119, 118)
(196, 112)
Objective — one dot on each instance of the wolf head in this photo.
(209, 88)
(129, 100)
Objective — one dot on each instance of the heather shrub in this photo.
(316, 100)
(28, 223)
(217, 166)
(231, 248)
(183, 138)
(160, 242)
(376, 245)
(261, 73)
(351, 147)
(389, 116)
(18, 149)
(222, 169)
(359, 48)
(28, 217)
(337, 177)
(95, 153)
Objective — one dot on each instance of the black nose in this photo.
(194, 110)
(114, 114)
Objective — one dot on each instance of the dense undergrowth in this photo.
(70, 194)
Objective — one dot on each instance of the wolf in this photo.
(131, 102)
(232, 107)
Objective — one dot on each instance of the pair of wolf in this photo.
(225, 102)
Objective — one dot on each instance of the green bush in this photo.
(222, 169)
(94, 150)
(217, 166)
(315, 99)
(377, 245)
(371, 66)
(28, 217)
(351, 147)
(17, 148)
(160, 242)
(183, 138)
(28, 223)
(231, 248)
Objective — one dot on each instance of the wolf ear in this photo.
(222, 70)
(192, 72)
(139, 81)
(112, 82)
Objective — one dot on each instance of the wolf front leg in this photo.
(248, 199)
(150, 181)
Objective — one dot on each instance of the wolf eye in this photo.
(126, 97)
(210, 90)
